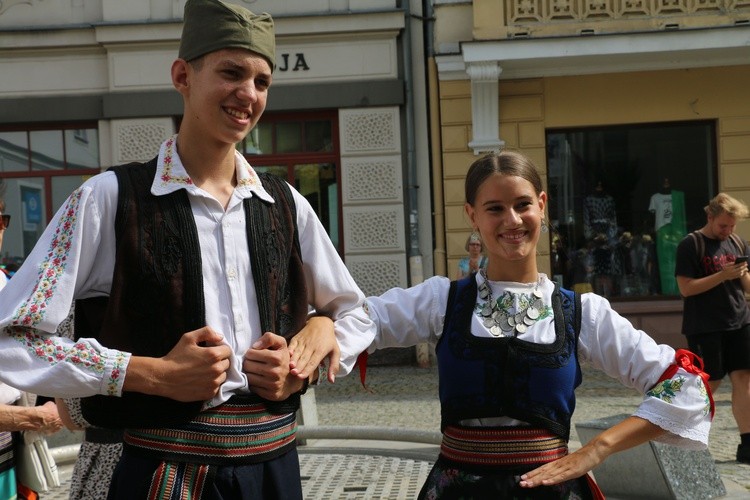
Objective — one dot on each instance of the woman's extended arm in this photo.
(627, 434)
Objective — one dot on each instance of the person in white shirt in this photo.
(509, 341)
(160, 258)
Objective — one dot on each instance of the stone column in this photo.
(485, 111)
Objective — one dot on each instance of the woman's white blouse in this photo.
(608, 341)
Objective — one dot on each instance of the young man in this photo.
(178, 266)
(712, 275)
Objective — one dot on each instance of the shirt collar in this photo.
(171, 175)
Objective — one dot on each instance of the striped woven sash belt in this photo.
(501, 446)
(6, 451)
(239, 432)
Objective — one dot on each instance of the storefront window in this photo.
(317, 183)
(47, 152)
(14, 151)
(621, 199)
(300, 148)
(39, 168)
(289, 137)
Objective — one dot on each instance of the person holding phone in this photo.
(712, 275)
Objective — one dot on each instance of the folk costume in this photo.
(76, 258)
(509, 359)
(157, 281)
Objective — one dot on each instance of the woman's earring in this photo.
(544, 226)
(475, 236)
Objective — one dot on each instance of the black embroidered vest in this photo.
(491, 377)
(157, 287)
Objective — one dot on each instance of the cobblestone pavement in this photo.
(406, 397)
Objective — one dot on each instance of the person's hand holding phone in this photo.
(740, 264)
(732, 270)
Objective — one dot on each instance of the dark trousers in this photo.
(278, 478)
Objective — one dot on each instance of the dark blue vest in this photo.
(491, 377)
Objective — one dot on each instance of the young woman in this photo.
(509, 344)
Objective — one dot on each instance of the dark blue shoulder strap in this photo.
(456, 290)
(571, 309)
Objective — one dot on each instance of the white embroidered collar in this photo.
(171, 175)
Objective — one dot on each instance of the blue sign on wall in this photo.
(31, 199)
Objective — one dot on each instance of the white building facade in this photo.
(85, 84)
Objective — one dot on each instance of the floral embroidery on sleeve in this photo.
(706, 397)
(32, 312)
(667, 390)
(114, 384)
(688, 361)
(81, 354)
(54, 352)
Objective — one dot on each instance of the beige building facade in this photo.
(645, 99)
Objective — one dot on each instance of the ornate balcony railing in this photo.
(566, 17)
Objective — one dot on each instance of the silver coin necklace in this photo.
(501, 317)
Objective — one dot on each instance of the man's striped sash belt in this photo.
(501, 447)
(237, 432)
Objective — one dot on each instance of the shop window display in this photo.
(623, 198)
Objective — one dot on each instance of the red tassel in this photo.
(362, 365)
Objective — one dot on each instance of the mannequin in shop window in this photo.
(560, 260)
(661, 205)
(599, 214)
(668, 207)
(643, 256)
(601, 257)
(623, 266)
(582, 269)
